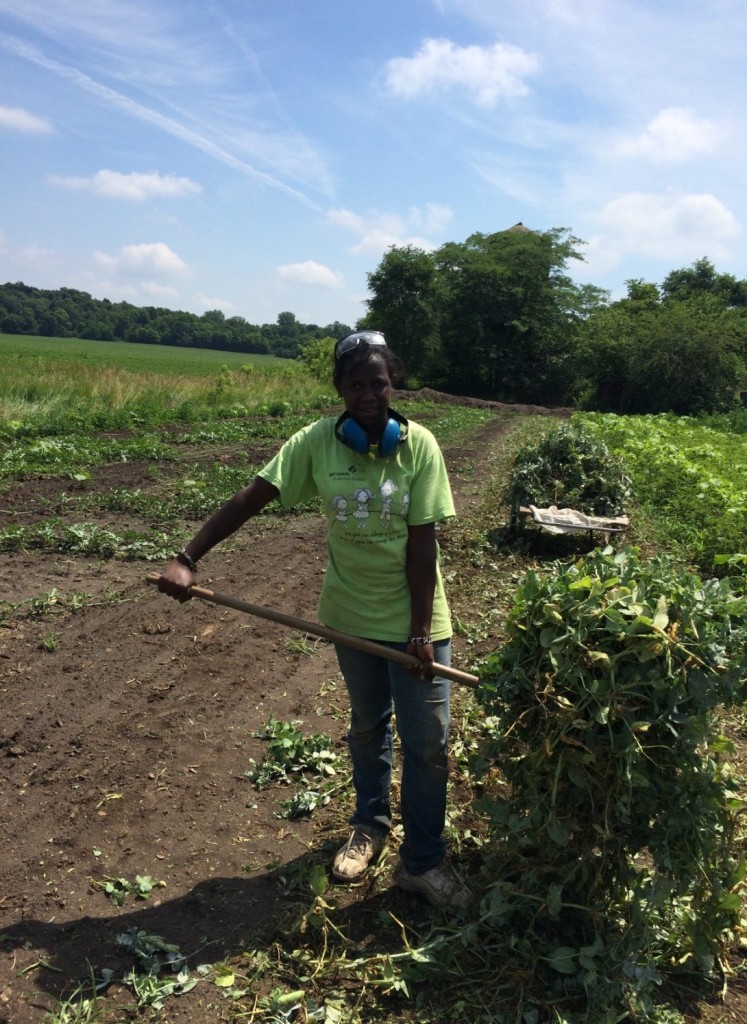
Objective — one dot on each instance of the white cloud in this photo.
(31, 261)
(134, 186)
(212, 136)
(668, 226)
(115, 291)
(378, 231)
(19, 120)
(29, 257)
(676, 134)
(519, 181)
(433, 218)
(486, 73)
(147, 258)
(158, 291)
(376, 242)
(311, 273)
(207, 302)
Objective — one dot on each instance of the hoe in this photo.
(316, 629)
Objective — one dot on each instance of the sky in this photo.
(261, 156)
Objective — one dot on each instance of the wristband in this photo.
(186, 559)
(420, 641)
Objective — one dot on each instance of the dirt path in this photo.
(123, 749)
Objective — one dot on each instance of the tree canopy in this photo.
(680, 348)
(67, 312)
(498, 316)
(494, 316)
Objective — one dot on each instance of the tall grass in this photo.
(53, 389)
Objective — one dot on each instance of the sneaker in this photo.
(352, 859)
(440, 886)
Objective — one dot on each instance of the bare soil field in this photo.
(124, 743)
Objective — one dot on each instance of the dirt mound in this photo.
(429, 395)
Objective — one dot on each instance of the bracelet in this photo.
(186, 559)
(420, 641)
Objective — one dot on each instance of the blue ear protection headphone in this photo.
(354, 436)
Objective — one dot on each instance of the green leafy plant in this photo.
(88, 539)
(117, 889)
(690, 478)
(292, 755)
(154, 955)
(569, 468)
(289, 751)
(612, 855)
(318, 358)
(72, 455)
(48, 603)
(77, 1008)
(50, 640)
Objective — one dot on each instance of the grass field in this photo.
(166, 359)
(57, 385)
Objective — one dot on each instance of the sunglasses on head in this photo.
(352, 341)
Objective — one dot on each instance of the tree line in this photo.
(69, 313)
(498, 316)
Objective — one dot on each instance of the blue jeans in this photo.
(378, 688)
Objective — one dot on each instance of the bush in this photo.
(612, 860)
(318, 358)
(569, 468)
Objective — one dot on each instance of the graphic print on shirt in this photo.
(362, 495)
(340, 505)
(387, 490)
(364, 500)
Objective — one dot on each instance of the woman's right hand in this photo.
(175, 580)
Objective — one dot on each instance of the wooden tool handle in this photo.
(317, 629)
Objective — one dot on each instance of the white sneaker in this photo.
(352, 859)
(440, 886)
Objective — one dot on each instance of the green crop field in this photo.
(58, 385)
(16, 349)
(689, 477)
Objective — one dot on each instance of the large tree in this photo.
(494, 316)
(404, 305)
(701, 280)
(685, 360)
(509, 323)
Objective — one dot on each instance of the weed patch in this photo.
(292, 756)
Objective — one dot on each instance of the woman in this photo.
(384, 487)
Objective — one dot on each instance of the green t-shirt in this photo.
(369, 502)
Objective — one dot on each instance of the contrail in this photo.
(142, 113)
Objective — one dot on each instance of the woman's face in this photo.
(366, 390)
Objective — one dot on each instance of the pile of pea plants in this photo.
(691, 480)
(569, 467)
(614, 868)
